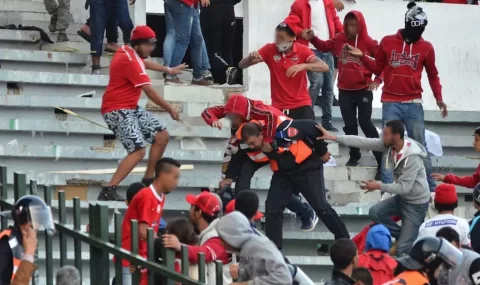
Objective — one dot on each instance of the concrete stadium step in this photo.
(21, 40)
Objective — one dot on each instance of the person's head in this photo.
(351, 25)
(237, 110)
(204, 209)
(415, 23)
(446, 199)
(378, 238)
(285, 33)
(252, 135)
(449, 234)
(234, 230)
(476, 197)
(476, 140)
(183, 229)
(246, 203)
(143, 40)
(68, 275)
(343, 253)
(393, 132)
(31, 212)
(362, 276)
(132, 190)
(167, 174)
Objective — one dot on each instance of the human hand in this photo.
(339, 5)
(438, 176)
(254, 54)
(217, 124)
(325, 135)
(308, 34)
(353, 50)
(370, 185)
(234, 271)
(225, 182)
(177, 69)
(205, 3)
(295, 69)
(443, 107)
(266, 147)
(29, 241)
(174, 114)
(373, 86)
(171, 241)
(326, 157)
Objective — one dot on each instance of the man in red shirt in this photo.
(146, 207)
(131, 124)
(204, 212)
(288, 62)
(402, 58)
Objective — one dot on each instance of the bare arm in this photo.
(316, 65)
(252, 59)
(151, 65)
(142, 231)
(158, 100)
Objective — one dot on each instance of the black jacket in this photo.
(475, 233)
(338, 278)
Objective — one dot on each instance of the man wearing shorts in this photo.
(132, 125)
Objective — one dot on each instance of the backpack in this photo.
(379, 264)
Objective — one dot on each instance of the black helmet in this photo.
(415, 17)
(32, 209)
(429, 253)
(476, 194)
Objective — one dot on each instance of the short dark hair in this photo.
(133, 189)
(247, 203)
(285, 28)
(449, 234)
(183, 229)
(445, 207)
(342, 253)
(250, 130)
(350, 16)
(165, 164)
(397, 127)
(208, 218)
(362, 274)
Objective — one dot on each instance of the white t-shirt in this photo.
(460, 225)
(319, 20)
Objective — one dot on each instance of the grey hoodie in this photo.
(261, 263)
(410, 178)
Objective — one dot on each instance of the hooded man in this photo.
(405, 157)
(260, 262)
(376, 258)
(239, 165)
(402, 58)
(355, 83)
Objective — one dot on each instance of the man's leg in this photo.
(310, 183)
(390, 111)
(112, 33)
(120, 9)
(156, 134)
(198, 51)
(316, 81)
(246, 174)
(51, 7)
(169, 42)
(412, 217)
(98, 16)
(415, 125)
(278, 197)
(327, 94)
(348, 108)
(382, 212)
(63, 20)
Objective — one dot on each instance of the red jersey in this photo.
(145, 207)
(402, 66)
(287, 92)
(127, 75)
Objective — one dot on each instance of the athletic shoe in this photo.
(174, 81)
(201, 82)
(62, 37)
(231, 73)
(352, 162)
(110, 194)
(310, 226)
(207, 75)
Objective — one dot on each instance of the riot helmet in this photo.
(32, 209)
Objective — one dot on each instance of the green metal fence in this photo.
(98, 241)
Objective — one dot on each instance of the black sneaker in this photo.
(352, 162)
(232, 73)
(95, 70)
(207, 75)
(110, 194)
(62, 37)
(329, 127)
(147, 181)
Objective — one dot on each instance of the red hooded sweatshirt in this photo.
(249, 110)
(402, 65)
(352, 75)
(302, 9)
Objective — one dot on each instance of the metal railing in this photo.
(98, 241)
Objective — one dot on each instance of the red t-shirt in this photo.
(287, 92)
(145, 207)
(127, 75)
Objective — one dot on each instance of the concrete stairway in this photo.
(37, 139)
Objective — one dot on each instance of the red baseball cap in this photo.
(143, 33)
(231, 207)
(206, 201)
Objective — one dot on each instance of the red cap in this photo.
(231, 207)
(206, 201)
(294, 23)
(142, 33)
(446, 194)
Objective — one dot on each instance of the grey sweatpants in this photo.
(62, 10)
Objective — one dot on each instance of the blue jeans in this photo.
(187, 31)
(324, 82)
(102, 11)
(411, 114)
(412, 216)
(169, 42)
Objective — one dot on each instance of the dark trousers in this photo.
(301, 113)
(350, 102)
(218, 29)
(310, 183)
(101, 12)
(243, 183)
(111, 32)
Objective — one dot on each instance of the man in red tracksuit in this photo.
(402, 58)
(321, 17)
(237, 165)
(355, 83)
